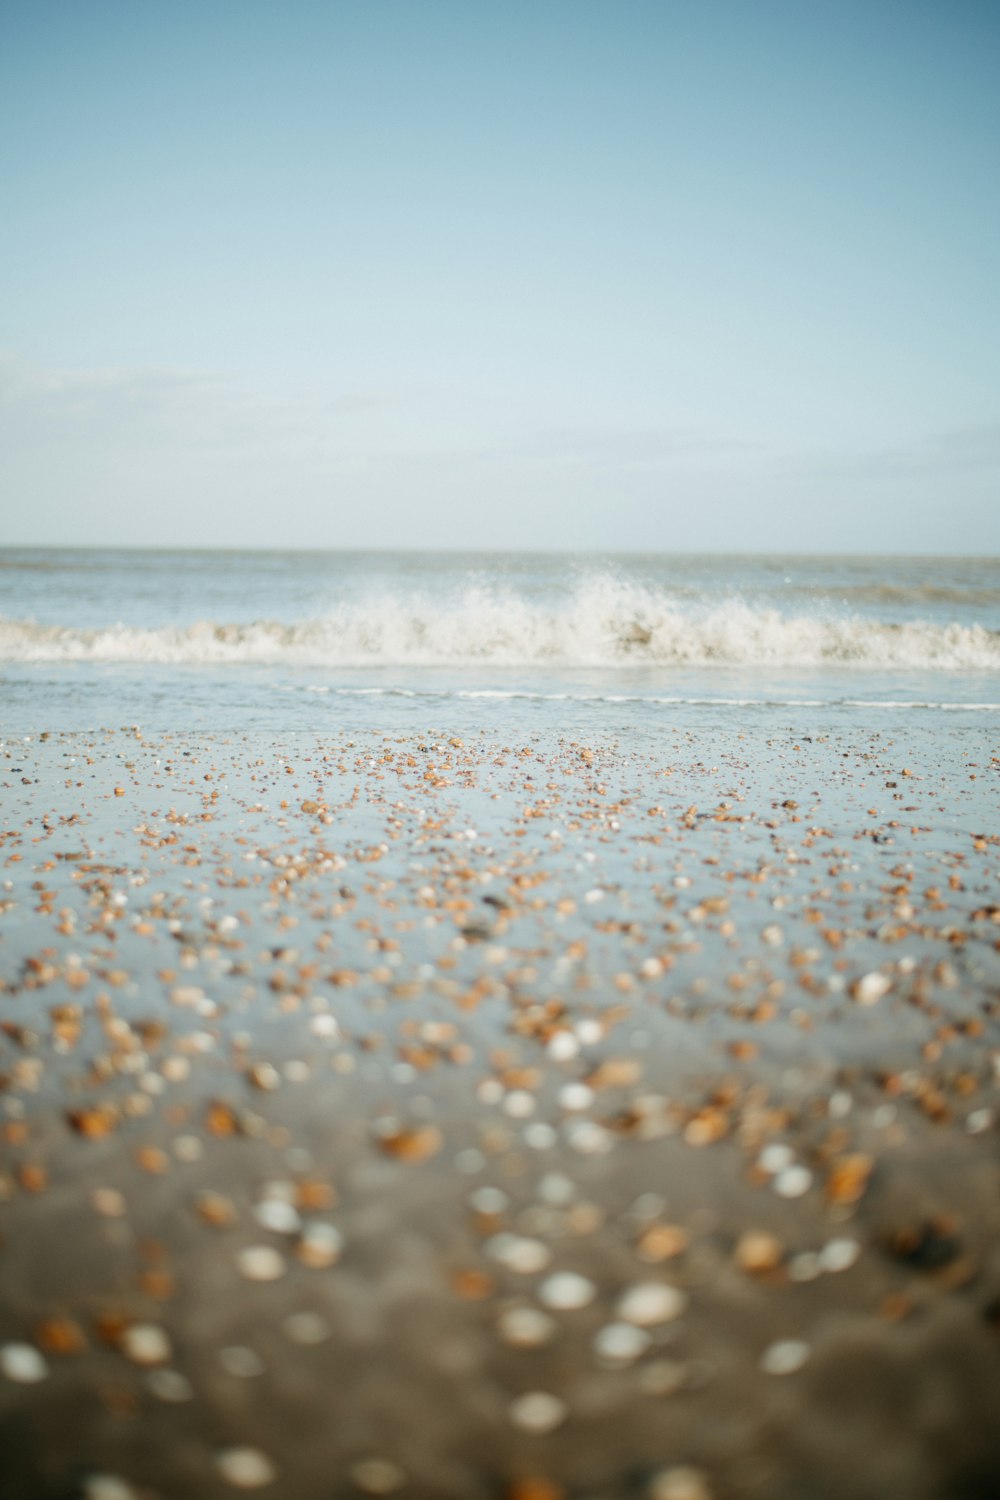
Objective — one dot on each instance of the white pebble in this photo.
(245, 1468)
(621, 1343)
(650, 1302)
(538, 1411)
(108, 1487)
(488, 1200)
(563, 1046)
(784, 1357)
(870, 988)
(518, 1253)
(22, 1363)
(588, 1137)
(278, 1216)
(839, 1255)
(145, 1344)
(806, 1266)
(680, 1483)
(320, 1245)
(775, 1158)
(566, 1290)
(557, 1189)
(260, 1263)
(519, 1104)
(525, 1327)
(793, 1182)
(576, 1096)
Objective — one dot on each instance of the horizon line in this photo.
(597, 552)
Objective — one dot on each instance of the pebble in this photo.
(145, 1344)
(651, 1302)
(557, 1189)
(260, 1263)
(278, 1216)
(680, 1483)
(488, 1201)
(576, 1096)
(793, 1182)
(784, 1357)
(563, 1046)
(805, 1266)
(108, 1487)
(22, 1363)
(538, 1411)
(108, 1202)
(525, 1327)
(870, 988)
(775, 1158)
(589, 1138)
(758, 1252)
(320, 1246)
(518, 1253)
(245, 1468)
(839, 1255)
(237, 1359)
(566, 1290)
(621, 1343)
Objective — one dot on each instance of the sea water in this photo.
(227, 640)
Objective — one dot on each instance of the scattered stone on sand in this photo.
(618, 1055)
(680, 1483)
(784, 1357)
(538, 1411)
(261, 1263)
(22, 1363)
(651, 1302)
(245, 1468)
(564, 1290)
(145, 1344)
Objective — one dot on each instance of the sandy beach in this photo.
(444, 1115)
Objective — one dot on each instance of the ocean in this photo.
(226, 640)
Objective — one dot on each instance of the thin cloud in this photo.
(157, 406)
(960, 450)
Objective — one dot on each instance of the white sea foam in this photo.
(605, 622)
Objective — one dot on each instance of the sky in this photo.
(603, 274)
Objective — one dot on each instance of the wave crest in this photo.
(604, 623)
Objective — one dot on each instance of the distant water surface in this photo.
(306, 639)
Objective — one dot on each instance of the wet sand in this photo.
(449, 1117)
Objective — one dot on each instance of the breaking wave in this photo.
(602, 623)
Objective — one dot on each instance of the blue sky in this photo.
(405, 272)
